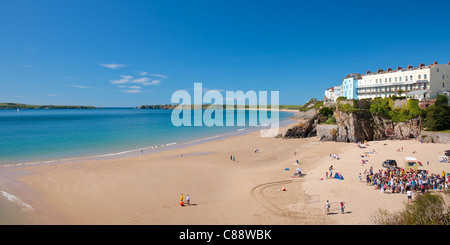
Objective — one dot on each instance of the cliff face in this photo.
(362, 125)
(356, 126)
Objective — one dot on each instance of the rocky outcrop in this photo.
(307, 128)
(301, 131)
(355, 123)
(362, 125)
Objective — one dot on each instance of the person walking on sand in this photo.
(188, 200)
(342, 207)
(234, 158)
(327, 207)
(409, 194)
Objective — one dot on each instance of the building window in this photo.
(406, 78)
(400, 79)
(437, 69)
(389, 79)
(411, 78)
(424, 76)
(443, 76)
(419, 76)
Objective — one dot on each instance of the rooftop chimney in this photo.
(421, 65)
(409, 66)
(435, 63)
(368, 72)
(379, 70)
(389, 69)
(399, 68)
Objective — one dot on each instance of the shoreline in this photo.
(24, 211)
(155, 148)
(17, 192)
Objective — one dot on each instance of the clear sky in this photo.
(131, 53)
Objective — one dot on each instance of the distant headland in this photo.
(25, 106)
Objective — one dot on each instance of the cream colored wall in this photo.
(437, 79)
(372, 79)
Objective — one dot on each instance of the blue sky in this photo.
(130, 53)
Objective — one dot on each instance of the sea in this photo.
(45, 135)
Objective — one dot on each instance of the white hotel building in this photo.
(422, 82)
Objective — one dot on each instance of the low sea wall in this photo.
(327, 132)
(434, 137)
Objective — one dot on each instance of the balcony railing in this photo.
(393, 88)
(393, 84)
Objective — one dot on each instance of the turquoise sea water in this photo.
(33, 135)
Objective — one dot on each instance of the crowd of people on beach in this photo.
(401, 180)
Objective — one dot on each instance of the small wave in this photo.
(24, 207)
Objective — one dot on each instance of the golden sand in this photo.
(146, 189)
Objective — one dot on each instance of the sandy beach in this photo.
(146, 189)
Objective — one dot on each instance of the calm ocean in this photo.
(32, 135)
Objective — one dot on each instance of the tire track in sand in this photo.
(258, 192)
(297, 212)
